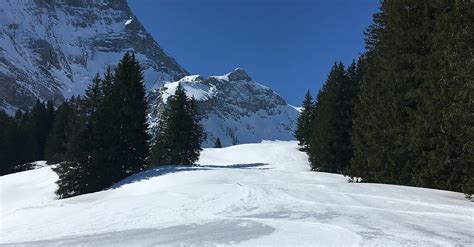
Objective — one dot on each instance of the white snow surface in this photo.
(246, 195)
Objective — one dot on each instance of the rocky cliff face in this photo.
(50, 49)
(235, 108)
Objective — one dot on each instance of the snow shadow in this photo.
(155, 172)
(259, 166)
(169, 169)
(224, 232)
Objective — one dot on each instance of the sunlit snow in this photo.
(250, 195)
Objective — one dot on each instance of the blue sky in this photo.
(288, 45)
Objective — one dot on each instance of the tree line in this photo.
(403, 113)
(100, 138)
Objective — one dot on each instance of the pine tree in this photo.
(76, 175)
(412, 123)
(56, 144)
(322, 135)
(443, 131)
(110, 139)
(398, 46)
(303, 125)
(217, 143)
(8, 144)
(126, 111)
(180, 134)
(331, 148)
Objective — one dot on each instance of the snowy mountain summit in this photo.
(49, 50)
(235, 108)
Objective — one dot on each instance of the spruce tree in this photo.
(56, 144)
(8, 144)
(110, 139)
(180, 134)
(398, 46)
(303, 125)
(126, 111)
(442, 133)
(217, 143)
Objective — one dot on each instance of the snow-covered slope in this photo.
(235, 108)
(251, 195)
(49, 50)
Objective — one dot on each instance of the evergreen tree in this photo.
(443, 131)
(76, 174)
(109, 140)
(217, 143)
(330, 148)
(412, 122)
(323, 152)
(398, 45)
(180, 134)
(125, 110)
(8, 144)
(56, 144)
(303, 125)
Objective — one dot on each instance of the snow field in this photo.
(246, 195)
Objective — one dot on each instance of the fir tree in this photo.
(110, 139)
(125, 110)
(180, 134)
(8, 144)
(330, 148)
(217, 143)
(412, 123)
(303, 125)
(56, 144)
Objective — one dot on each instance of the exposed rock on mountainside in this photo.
(49, 50)
(235, 108)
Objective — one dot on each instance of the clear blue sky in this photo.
(288, 45)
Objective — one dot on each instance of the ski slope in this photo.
(246, 195)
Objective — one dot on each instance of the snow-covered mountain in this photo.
(49, 50)
(235, 108)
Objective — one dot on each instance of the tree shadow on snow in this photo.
(257, 166)
(169, 169)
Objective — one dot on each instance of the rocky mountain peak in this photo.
(233, 112)
(239, 74)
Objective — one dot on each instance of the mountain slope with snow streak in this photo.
(247, 195)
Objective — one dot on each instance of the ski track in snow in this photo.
(250, 195)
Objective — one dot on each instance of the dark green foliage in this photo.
(413, 122)
(217, 143)
(331, 146)
(23, 138)
(180, 134)
(443, 130)
(9, 144)
(40, 121)
(58, 138)
(127, 116)
(303, 125)
(106, 138)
